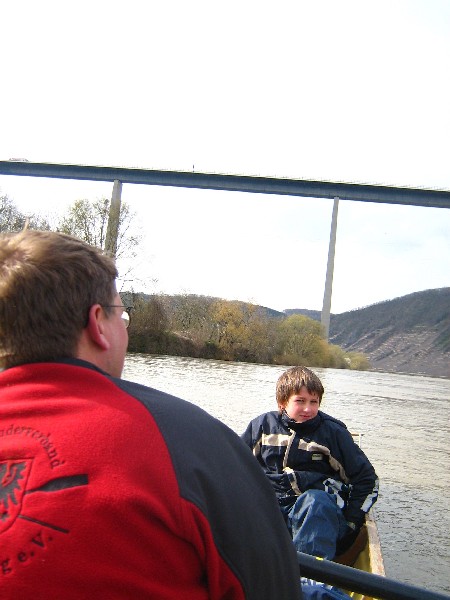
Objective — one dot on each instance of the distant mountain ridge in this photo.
(410, 334)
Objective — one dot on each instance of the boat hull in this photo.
(365, 554)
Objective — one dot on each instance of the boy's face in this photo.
(302, 406)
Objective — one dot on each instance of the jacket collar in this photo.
(303, 428)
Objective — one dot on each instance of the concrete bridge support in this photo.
(326, 307)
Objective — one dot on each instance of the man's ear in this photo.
(96, 327)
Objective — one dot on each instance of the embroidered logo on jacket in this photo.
(13, 482)
(14, 476)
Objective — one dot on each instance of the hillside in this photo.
(410, 334)
(311, 314)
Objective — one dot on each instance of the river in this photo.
(405, 424)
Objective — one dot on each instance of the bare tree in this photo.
(88, 221)
(11, 219)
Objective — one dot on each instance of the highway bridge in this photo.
(233, 183)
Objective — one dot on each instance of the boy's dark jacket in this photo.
(317, 454)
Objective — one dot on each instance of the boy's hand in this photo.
(279, 481)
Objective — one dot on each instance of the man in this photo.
(109, 489)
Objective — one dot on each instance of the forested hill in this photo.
(410, 334)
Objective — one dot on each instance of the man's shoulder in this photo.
(157, 402)
(163, 405)
(188, 430)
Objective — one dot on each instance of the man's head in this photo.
(292, 381)
(53, 292)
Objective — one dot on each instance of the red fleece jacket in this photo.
(112, 490)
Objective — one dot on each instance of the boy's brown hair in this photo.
(48, 282)
(292, 380)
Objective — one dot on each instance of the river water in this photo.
(405, 424)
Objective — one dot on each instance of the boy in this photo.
(324, 483)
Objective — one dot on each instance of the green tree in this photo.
(228, 324)
(358, 361)
(11, 219)
(337, 357)
(301, 340)
(258, 336)
(240, 331)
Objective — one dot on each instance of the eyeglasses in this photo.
(126, 314)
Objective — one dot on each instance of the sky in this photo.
(338, 91)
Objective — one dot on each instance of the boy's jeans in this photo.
(316, 523)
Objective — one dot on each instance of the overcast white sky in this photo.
(342, 91)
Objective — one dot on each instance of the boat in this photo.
(365, 554)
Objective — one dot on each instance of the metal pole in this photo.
(112, 231)
(368, 584)
(326, 307)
